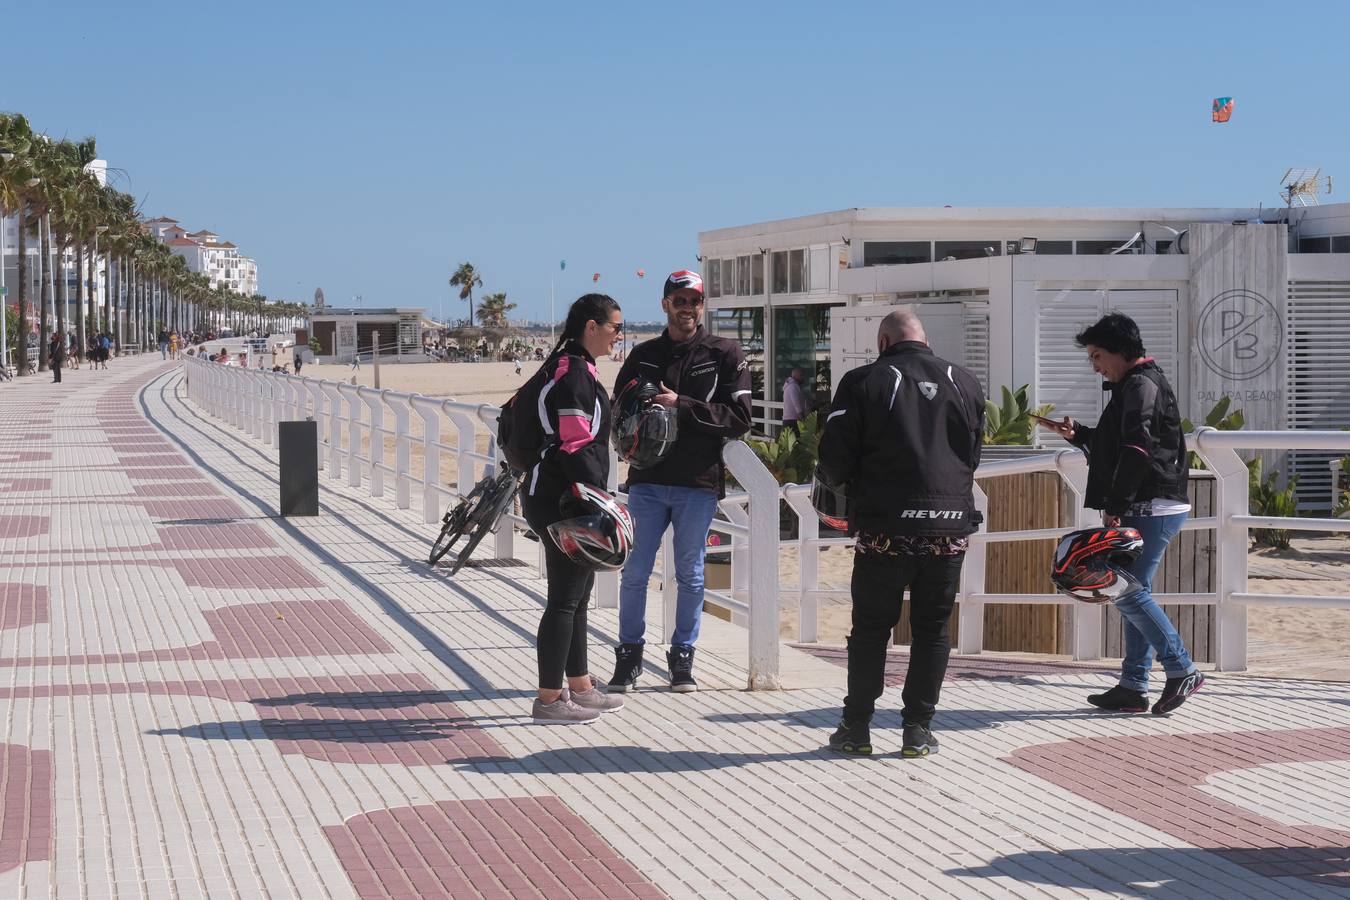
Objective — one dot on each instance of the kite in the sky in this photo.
(1223, 109)
(562, 265)
(642, 273)
(595, 277)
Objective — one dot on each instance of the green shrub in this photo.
(1011, 422)
(791, 457)
(1265, 499)
(1218, 417)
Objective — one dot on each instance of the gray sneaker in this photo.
(596, 698)
(562, 712)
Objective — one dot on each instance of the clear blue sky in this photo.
(368, 148)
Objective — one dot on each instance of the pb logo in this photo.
(1239, 334)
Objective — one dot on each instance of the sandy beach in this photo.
(1285, 641)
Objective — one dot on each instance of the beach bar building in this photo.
(342, 333)
(1245, 302)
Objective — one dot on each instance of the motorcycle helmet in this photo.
(596, 530)
(830, 501)
(643, 431)
(1090, 565)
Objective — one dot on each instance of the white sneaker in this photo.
(562, 712)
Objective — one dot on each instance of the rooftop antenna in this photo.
(1301, 186)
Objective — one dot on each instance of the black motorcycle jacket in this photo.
(710, 375)
(1136, 452)
(904, 434)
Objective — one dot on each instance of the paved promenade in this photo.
(200, 699)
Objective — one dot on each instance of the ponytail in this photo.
(586, 308)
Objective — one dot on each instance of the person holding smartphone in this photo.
(1137, 473)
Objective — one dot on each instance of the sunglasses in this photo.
(680, 302)
(617, 326)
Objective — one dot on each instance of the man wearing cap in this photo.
(706, 380)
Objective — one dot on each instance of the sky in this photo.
(368, 149)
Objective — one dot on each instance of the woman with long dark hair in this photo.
(1137, 473)
(574, 416)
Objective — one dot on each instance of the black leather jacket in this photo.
(905, 434)
(1136, 452)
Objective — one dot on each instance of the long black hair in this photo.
(586, 308)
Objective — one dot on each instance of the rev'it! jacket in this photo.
(904, 435)
(711, 377)
(1136, 452)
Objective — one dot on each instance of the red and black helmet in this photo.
(596, 530)
(643, 431)
(1092, 565)
(830, 501)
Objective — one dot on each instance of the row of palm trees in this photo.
(61, 205)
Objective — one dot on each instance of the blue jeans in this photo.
(1147, 628)
(653, 507)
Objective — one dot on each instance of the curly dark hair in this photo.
(1115, 333)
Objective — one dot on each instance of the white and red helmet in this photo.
(1092, 565)
(596, 530)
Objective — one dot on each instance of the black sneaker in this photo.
(627, 665)
(1176, 691)
(1120, 699)
(919, 741)
(680, 660)
(853, 738)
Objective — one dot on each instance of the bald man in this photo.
(902, 441)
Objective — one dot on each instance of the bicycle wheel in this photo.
(484, 519)
(456, 520)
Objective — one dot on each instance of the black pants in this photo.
(879, 582)
(56, 373)
(561, 641)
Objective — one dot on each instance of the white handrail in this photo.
(750, 518)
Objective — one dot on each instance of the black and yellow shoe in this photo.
(918, 741)
(852, 738)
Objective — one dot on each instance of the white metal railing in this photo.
(353, 429)
(349, 417)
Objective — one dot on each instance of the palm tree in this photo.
(18, 180)
(466, 278)
(492, 313)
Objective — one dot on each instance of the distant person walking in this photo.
(1137, 473)
(794, 400)
(163, 341)
(56, 355)
(299, 361)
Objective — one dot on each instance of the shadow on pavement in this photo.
(945, 720)
(1166, 871)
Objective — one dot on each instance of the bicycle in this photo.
(477, 514)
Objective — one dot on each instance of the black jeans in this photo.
(561, 641)
(56, 373)
(879, 582)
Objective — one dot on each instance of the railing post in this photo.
(430, 411)
(374, 400)
(334, 429)
(764, 494)
(970, 612)
(607, 583)
(349, 393)
(402, 453)
(315, 389)
(808, 559)
(1231, 542)
(1087, 617)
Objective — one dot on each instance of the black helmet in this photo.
(830, 501)
(643, 431)
(596, 530)
(1091, 565)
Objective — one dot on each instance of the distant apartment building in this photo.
(205, 252)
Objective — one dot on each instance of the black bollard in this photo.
(298, 443)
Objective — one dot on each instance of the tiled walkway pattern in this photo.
(203, 700)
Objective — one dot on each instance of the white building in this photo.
(204, 252)
(1251, 303)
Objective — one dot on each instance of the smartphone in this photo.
(1048, 423)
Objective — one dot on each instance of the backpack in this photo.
(518, 433)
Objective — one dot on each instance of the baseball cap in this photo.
(683, 279)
